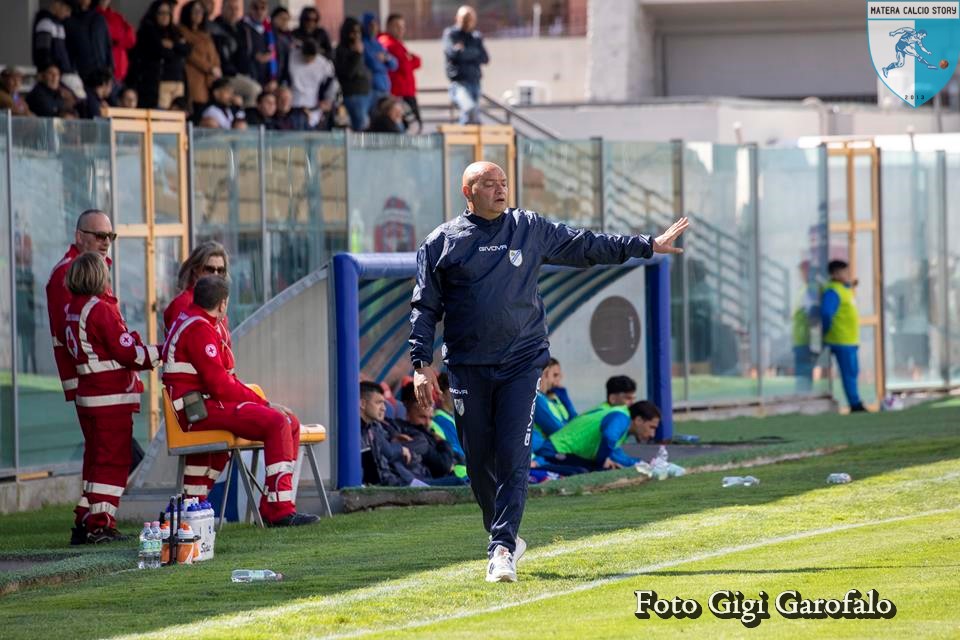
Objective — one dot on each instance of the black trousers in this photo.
(493, 407)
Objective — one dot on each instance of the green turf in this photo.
(379, 571)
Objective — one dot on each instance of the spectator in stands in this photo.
(203, 63)
(314, 83)
(353, 74)
(418, 436)
(280, 24)
(88, 39)
(221, 113)
(553, 407)
(309, 28)
(230, 38)
(402, 82)
(378, 60)
(288, 117)
(160, 57)
(98, 85)
(385, 462)
(841, 328)
(123, 37)
(196, 369)
(594, 440)
(45, 99)
(10, 98)
(128, 98)
(108, 358)
(50, 44)
(388, 116)
(264, 113)
(259, 38)
(464, 51)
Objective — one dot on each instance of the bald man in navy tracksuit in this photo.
(478, 273)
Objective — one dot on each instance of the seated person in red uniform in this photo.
(207, 258)
(107, 358)
(195, 362)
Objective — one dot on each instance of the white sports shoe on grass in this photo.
(501, 567)
(521, 548)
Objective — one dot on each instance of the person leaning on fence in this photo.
(108, 358)
(196, 372)
(465, 53)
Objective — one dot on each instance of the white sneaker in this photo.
(501, 567)
(521, 548)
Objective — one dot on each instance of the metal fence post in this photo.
(14, 347)
(264, 235)
(679, 210)
(944, 257)
(754, 156)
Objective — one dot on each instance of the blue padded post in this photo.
(346, 276)
(658, 344)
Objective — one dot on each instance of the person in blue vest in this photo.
(478, 274)
(553, 406)
(841, 328)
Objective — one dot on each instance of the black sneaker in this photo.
(295, 520)
(78, 535)
(859, 408)
(104, 535)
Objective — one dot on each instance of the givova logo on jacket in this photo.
(914, 45)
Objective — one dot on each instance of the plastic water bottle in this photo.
(255, 575)
(157, 543)
(838, 478)
(144, 550)
(738, 481)
(660, 464)
(682, 438)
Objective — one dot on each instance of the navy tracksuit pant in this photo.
(495, 427)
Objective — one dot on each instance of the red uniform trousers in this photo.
(280, 434)
(107, 439)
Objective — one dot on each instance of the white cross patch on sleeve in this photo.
(211, 350)
(126, 340)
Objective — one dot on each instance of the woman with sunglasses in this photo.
(207, 259)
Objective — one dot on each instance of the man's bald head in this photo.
(484, 186)
(474, 172)
(466, 17)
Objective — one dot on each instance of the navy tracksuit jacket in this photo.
(480, 278)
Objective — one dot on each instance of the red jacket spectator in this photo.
(106, 354)
(402, 82)
(123, 37)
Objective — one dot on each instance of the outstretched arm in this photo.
(900, 31)
(582, 248)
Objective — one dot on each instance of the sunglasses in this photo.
(220, 271)
(102, 236)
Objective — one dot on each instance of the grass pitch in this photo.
(418, 572)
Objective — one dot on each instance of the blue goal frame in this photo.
(349, 269)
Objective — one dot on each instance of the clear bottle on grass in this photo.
(838, 478)
(144, 549)
(740, 481)
(255, 575)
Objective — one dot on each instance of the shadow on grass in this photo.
(362, 549)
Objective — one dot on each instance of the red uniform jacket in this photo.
(58, 298)
(106, 354)
(195, 359)
(402, 82)
(182, 303)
